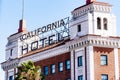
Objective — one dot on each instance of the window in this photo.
(67, 64)
(104, 77)
(11, 52)
(105, 23)
(11, 78)
(79, 61)
(68, 79)
(46, 70)
(79, 28)
(80, 77)
(98, 23)
(53, 68)
(103, 59)
(60, 66)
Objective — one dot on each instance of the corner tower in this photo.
(12, 47)
(12, 52)
(91, 53)
(93, 18)
(94, 46)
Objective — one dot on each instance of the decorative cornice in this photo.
(79, 42)
(94, 41)
(10, 64)
(93, 7)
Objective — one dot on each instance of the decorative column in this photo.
(6, 75)
(116, 63)
(90, 62)
(72, 55)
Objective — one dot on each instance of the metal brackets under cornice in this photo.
(94, 40)
(10, 64)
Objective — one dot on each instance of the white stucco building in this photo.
(87, 48)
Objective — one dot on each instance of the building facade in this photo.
(83, 48)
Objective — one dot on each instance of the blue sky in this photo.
(38, 13)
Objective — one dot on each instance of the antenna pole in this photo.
(22, 9)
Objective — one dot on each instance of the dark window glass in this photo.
(46, 70)
(80, 61)
(80, 77)
(11, 52)
(98, 23)
(103, 59)
(68, 79)
(53, 68)
(67, 64)
(11, 78)
(105, 23)
(60, 66)
(79, 28)
(104, 77)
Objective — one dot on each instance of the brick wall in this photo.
(104, 69)
(55, 60)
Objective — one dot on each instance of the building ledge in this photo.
(94, 40)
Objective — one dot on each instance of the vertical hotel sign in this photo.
(49, 34)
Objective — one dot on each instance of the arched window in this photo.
(105, 22)
(98, 23)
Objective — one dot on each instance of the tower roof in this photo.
(89, 1)
(97, 3)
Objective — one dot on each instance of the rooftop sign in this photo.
(49, 27)
(49, 34)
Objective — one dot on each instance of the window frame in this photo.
(46, 73)
(60, 66)
(79, 77)
(53, 69)
(98, 23)
(68, 64)
(11, 52)
(11, 77)
(104, 75)
(79, 28)
(105, 23)
(104, 62)
(80, 61)
(68, 79)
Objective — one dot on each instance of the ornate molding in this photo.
(79, 42)
(10, 64)
(94, 7)
(94, 41)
